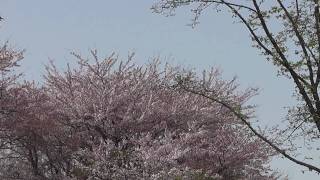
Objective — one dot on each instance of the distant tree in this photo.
(9, 59)
(287, 32)
(26, 125)
(116, 120)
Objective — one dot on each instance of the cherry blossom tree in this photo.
(132, 122)
(112, 119)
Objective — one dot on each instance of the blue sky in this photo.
(52, 29)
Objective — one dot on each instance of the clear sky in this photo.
(53, 29)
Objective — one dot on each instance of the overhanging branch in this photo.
(244, 119)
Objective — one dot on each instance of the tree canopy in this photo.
(111, 119)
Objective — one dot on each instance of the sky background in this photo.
(52, 29)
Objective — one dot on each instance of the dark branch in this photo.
(244, 118)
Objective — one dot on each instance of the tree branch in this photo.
(301, 41)
(287, 65)
(208, 1)
(244, 118)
